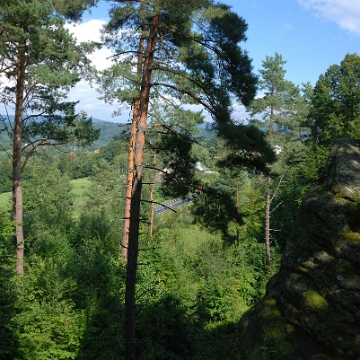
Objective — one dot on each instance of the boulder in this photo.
(311, 309)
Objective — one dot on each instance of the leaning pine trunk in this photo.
(136, 194)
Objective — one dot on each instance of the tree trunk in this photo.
(267, 230)
(133, 247)
(152, 213)
(271, 121)
(237, 207)
(17, 153)
(130, 176)
(129, 182)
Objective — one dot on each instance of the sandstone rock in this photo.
(311, 309)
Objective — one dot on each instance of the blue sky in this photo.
(310, 35)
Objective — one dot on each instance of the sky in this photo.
(311, 35)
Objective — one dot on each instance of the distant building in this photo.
(200, 167)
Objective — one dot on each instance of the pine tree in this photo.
(281, 107)
(40, 62)
(190, 54)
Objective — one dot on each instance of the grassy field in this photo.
(79, 190)
(80, 187)
(5, 199)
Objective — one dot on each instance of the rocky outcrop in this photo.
(311, 309)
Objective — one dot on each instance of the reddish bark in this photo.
(131, 156)
(133, 246)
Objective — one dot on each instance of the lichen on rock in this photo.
(311, 309)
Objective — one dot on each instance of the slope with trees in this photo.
(192, 285)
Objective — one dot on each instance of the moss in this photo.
(344, 267)
(315, 300)
(342, 198)
(347, 234)
(321, 357)
(274, 342)
(270, 302)
(303, 269)
(354, 202)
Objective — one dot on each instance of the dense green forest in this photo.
(193, 270)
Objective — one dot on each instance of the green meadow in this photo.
(79, 189)
(80, 186)
(5, 199)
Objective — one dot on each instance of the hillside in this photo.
(108, 131)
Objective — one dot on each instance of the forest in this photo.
(88, 270)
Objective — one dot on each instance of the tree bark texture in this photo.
(129, 182)
(131, 155)
(17, 196)
(152, 213)
(133, 246)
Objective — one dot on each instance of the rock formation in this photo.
(311, 309)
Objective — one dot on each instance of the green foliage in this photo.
(34, 38)
(8, 338)
(282, 108)
(5, 175)
(215, 209)
(178, 159)
(47, 203)
(46, 324)
(191, 288)
(335, 102)
(248, 148)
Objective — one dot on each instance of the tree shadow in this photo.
(168, 330)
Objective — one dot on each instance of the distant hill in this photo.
(107, 131)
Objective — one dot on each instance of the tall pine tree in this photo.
(40, 61)
(280, 109)
(183, 50)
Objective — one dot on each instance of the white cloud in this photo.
(87, 96)
(90, 31)
(345, 13)
(288, 27)
(98, 109)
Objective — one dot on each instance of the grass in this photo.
(79, 189)
(80, 186)
(5, 199)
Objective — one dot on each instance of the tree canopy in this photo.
(336, 102)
